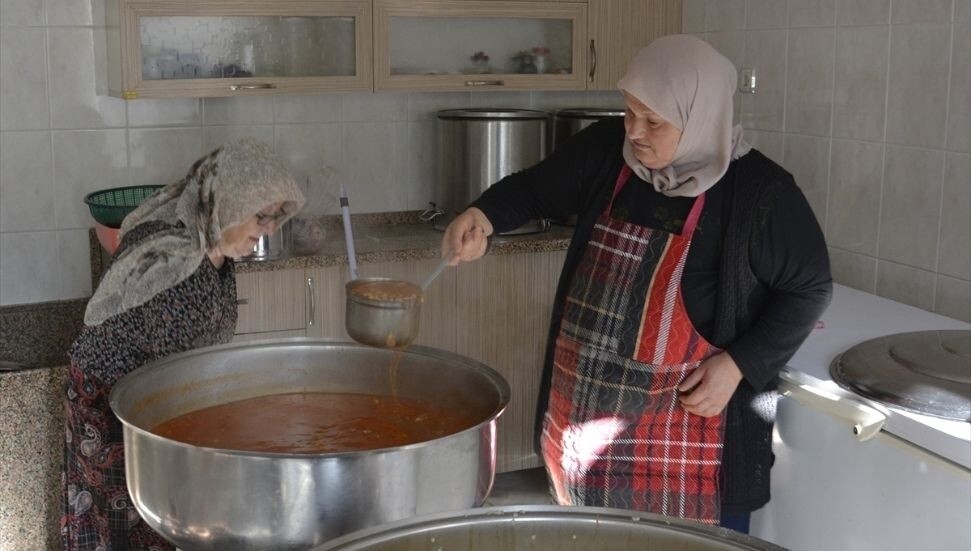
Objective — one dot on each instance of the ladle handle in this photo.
(438, 269)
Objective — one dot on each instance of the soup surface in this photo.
(315, 422)
(391, 290)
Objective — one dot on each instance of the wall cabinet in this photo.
(173, 48)
(619, 28)
(467, 45)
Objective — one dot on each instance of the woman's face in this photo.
(655, 140)
(238, 241)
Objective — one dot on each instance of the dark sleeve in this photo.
(559, 185)
(789, 258)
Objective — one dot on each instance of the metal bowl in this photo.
(381, 323)
(546, 528)
(203, 498)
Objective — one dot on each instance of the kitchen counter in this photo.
(390, 237)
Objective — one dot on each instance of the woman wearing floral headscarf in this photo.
(170, 288)
(695, 271)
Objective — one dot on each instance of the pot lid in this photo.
(490, 113)
(927, 372)
(589, 113)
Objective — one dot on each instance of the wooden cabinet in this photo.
(619, 28)
(496, 311)
(272, 304)
(173, 48)
(485, 45)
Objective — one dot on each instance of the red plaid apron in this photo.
(614, 433)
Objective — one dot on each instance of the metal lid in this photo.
(489, 113)
(589, 113)
(927, 372)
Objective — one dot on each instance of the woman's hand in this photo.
(466, 238)
(707, 390)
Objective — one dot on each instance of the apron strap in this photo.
(693, 216)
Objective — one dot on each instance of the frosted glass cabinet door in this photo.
(169, 48)
(479, 45)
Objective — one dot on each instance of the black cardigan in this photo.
(756, 279)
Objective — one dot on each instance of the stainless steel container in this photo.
(271, 247)
(381, 323)
(203, 498)
(478, 147)
(567, 122)
(547, 528)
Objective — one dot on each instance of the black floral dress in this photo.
(199, 311)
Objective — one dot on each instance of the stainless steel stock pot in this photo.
(204, 498)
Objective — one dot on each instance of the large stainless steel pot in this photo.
(203, 498)
(479, 147)
(546, 528)
(272, 247)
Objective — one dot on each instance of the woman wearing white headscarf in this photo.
(170, 287)
(695, 271)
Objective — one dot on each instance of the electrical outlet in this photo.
(746, 84)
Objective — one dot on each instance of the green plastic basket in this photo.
(110, 206)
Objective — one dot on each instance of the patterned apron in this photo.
(614, 433)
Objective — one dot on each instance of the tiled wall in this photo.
(867, 103)
(59, 139)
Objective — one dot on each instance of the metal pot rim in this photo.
(389, 304)
(132, 379)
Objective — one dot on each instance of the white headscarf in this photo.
(690, 85)
(222, 189)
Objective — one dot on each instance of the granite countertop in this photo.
(389, 237)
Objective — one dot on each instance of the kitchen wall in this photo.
(867, 103)
(60, 138)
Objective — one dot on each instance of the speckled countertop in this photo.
(389, 237)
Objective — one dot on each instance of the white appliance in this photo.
(851, 474)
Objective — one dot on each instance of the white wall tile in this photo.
(905, 284)
(308, 108)
(807, 158)
(955, 254)
(419, 174)
(160, 156)
(853, 214)
(501, 100)
(766, 14)
(610, 99)
(424, 107)
(953, 298)
(962, 11)
(959, 111)
(765, 51)
(368, 161)
(812, 13)
(310, 149)
(859, 101)
(725, 15)
(769, 143)
(86, 161)
(33, 277)
(21, 13)
(78, 98)
(368, 107)
(165, 112)
(913, 179)
(74, 264)
(26, 182)
(238, 110)
(214, 136)
(921, 11)
(917, 100)
(853, 270)
(693, 16)
(809, 86)
(862, 12)
(80, 13)
(730, 44)
(23, 86)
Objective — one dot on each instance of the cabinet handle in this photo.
(485, 83)
(593, 59)
(264, 86)
(313, 301)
